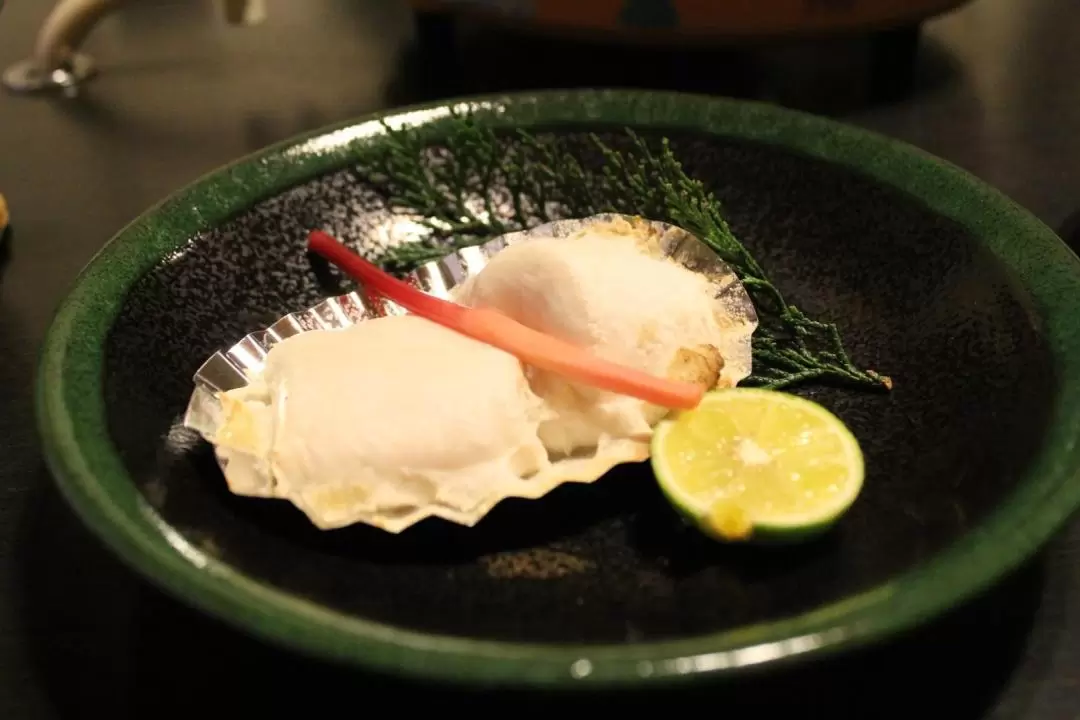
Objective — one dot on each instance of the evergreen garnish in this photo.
(473, 187)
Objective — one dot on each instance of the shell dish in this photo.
(237, 366)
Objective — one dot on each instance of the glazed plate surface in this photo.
(965, 300)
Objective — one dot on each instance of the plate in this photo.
(933, 278)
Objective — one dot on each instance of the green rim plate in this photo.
(91, 475)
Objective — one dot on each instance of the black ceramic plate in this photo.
(959, 295)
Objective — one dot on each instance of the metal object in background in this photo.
(56, 63)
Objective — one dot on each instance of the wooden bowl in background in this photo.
(710, 21)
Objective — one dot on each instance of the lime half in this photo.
(758, 464)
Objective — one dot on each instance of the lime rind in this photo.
(780, 527)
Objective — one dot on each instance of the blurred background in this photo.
(181, 89)
(183, 86)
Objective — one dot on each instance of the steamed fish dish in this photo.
(389, 421)
(372, 422)
(394, 419)
(609, 289)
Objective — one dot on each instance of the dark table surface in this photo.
(996, 91)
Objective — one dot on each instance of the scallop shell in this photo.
(231, 368)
